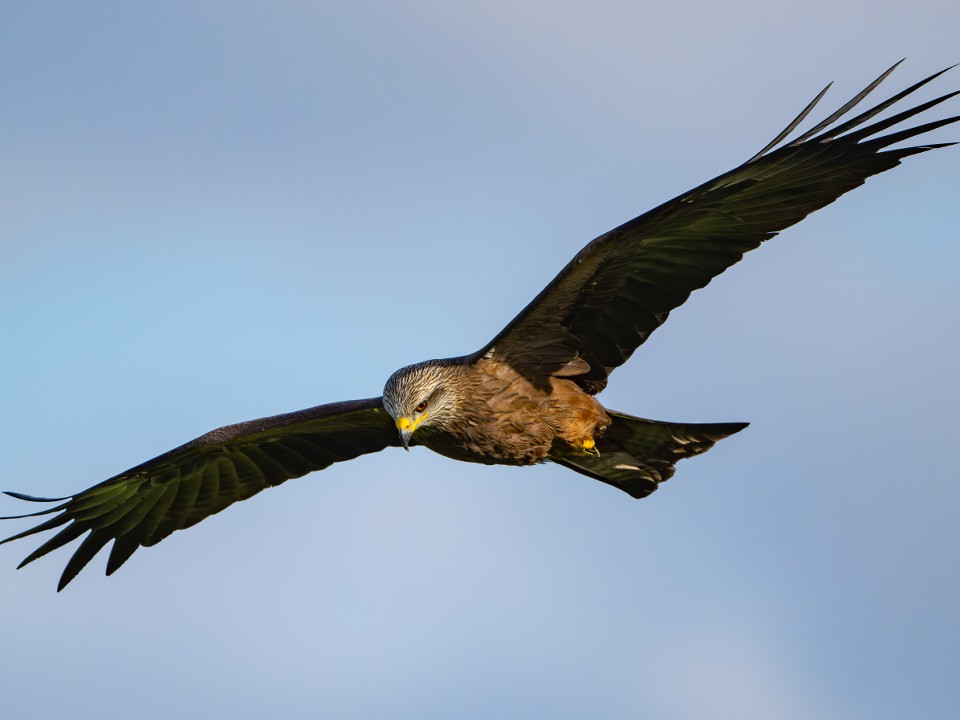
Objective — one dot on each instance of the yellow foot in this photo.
(590, 447)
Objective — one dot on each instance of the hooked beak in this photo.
(406, 429)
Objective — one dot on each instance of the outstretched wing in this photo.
(623, 285)
(143, 505)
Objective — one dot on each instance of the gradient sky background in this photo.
(215, 211)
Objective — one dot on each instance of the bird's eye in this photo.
(422, 406)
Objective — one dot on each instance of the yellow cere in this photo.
(405, 425)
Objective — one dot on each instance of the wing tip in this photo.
(831, 131)
(34, 498)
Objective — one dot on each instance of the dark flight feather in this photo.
(145, 504)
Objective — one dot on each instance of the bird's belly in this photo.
(492, 446)
(521, 432)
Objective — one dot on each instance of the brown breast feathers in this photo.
(505, 419)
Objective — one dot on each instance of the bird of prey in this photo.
(529, 395)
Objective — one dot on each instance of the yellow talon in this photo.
(590, 446)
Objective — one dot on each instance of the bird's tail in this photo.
(636, 455)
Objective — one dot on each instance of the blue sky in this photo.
(214, 211)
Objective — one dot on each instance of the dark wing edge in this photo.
(142, 506)
(623, 285)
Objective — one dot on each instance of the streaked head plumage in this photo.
(421, 395)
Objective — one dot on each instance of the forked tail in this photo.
(636, 455)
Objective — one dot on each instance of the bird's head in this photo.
(421, 396)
